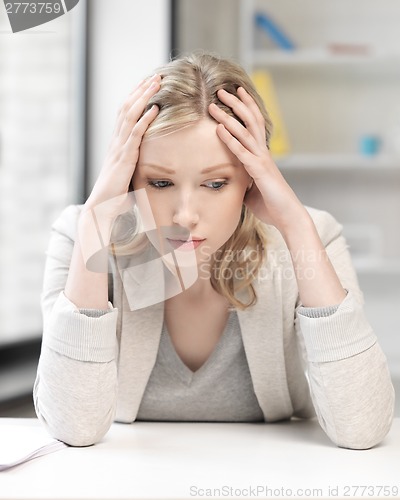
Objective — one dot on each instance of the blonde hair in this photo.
(189, 85)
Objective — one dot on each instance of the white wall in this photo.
(208, 25)
(127, 40)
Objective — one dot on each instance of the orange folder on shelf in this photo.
(279, 144)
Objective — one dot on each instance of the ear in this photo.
(250, 185)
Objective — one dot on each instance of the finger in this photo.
(126, 155)
(133, 96)
(136, 111)
(147, 80)
(247, 99)
(131, 147)
(237, 148)
(249, 115)
(235, 128)
(142, 82)
(138, 91)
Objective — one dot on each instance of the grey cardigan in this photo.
(94, 368)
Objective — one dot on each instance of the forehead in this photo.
(197, 143)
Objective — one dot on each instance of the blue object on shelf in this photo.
(273, 31)
(369, 145)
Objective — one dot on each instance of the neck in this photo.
(201, 294)
(200, 289)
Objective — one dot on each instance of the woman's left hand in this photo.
(271, 199)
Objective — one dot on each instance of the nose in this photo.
(185, 212)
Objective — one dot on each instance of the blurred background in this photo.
(329, 73)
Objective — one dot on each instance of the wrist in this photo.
(93, 237)
(297, 227)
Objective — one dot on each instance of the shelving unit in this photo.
(324, 56)
(339, 84)
(346, 75)
(320, 161)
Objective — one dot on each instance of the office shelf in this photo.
(323, 161)
(323, 56)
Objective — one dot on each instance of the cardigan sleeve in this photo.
(347, 370)
(76, 383)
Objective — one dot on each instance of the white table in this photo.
(190, 460)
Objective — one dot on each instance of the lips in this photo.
(191, 244)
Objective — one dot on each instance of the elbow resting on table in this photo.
(362, 436)
(363, 441)
(75, 434)
(354, 398)
(75, 425)
(75, 401)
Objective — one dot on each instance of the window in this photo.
(41, 138)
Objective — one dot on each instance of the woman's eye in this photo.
(215, 185)
(159, 184)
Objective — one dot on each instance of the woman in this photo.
(219, 296)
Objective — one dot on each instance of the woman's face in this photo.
(195, 187)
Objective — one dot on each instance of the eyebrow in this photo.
(170, 171)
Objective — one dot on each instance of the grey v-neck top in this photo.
(221, 390)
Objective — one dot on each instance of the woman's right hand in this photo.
(109, 195)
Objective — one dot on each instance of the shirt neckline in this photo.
(180, 368)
